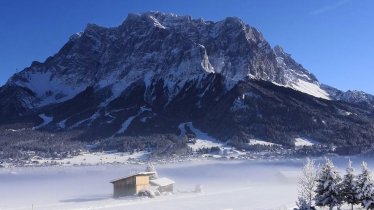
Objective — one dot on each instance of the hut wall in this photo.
(142, 182)
(124, 187)
(168, 188)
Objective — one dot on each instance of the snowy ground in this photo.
(203, 140)
(300, 142)
(260, 142)
(226, 185)
(93, 158)
(311, 89)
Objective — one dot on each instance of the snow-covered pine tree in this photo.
(151, 168)
(365, 187)
(328, 186)
(349, 187)
(307, 184)
(302, 204)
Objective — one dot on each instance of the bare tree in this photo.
(307, 185)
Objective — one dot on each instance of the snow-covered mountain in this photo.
(157, 70)
(351, 96)
(155, 45)
(296, 77)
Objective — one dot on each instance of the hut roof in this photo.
(138, 174)
(162, 182)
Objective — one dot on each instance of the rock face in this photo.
(351, 96)
(156, 71)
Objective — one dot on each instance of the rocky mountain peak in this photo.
(156, 71)
(160, 46)
(297, 77)
(278, 50)
(156, 19)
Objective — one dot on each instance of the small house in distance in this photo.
(131, 185)
(143, 184)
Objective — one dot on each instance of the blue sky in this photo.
(334, 39)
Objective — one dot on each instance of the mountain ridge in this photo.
(158, 70)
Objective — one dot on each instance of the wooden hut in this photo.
(131, 185)
(163, 184)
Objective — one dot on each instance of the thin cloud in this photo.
(329, 8)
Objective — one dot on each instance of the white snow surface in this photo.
(156, 23)
(260, 142)
(46, 121)
(59, 90)
(129, 120)
(237, 185)
(94, 158)
(226, 185)
(310, 88)
(203, 140)
(126, 124)
(162, 181)
(300, 142)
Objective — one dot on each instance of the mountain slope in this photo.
(156, 71)
(351, 96)
(157, 45)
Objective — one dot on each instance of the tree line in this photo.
(323, 186)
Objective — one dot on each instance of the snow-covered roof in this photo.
(162, 182)
(138, 174)
(146, 173)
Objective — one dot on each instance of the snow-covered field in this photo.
(300, 142)
(203, 140)
(94, 158)
(260, 142)
(256, 184)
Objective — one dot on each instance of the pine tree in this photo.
(302, 204)
(328, 187)
(365, 187)
(307, 184)
(151, 168)
(349, 186)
